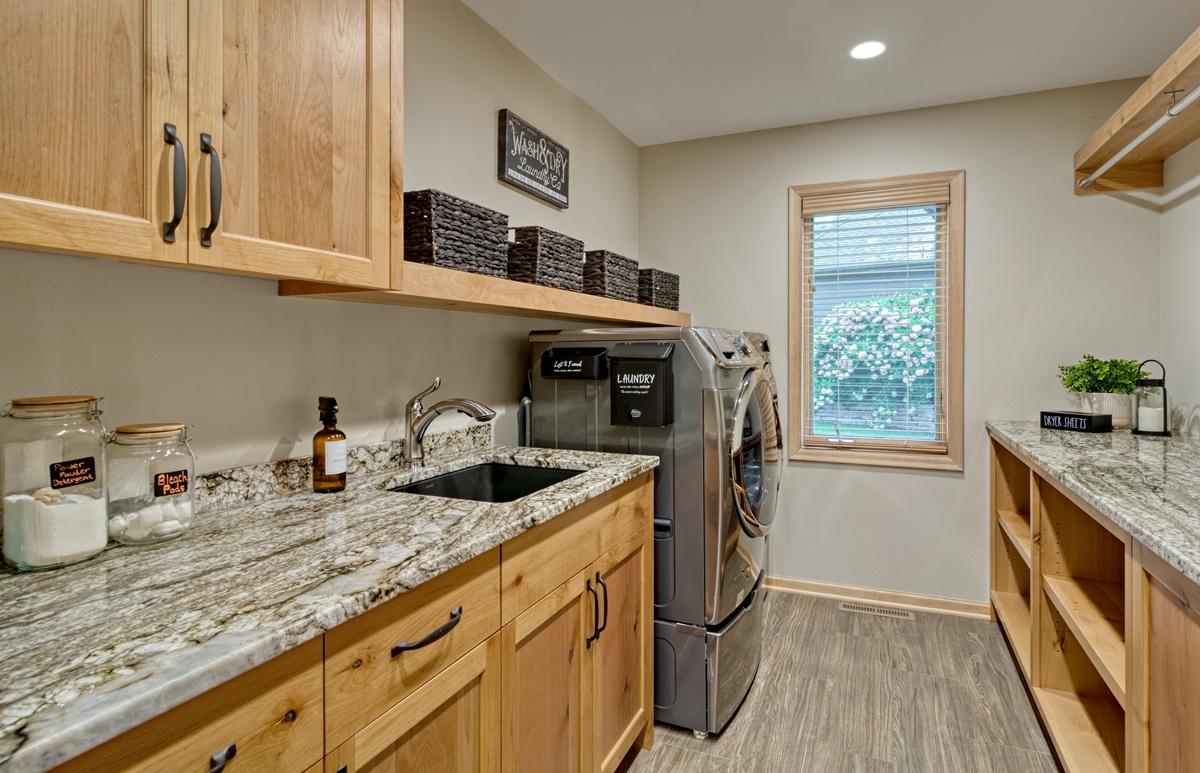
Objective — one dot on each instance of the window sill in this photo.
(916, 461)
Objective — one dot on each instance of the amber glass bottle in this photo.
(329, 451)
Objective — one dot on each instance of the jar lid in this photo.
(54, 401)
(150, 430)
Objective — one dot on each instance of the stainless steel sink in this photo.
(489, 482)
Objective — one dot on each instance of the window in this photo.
(876, 297)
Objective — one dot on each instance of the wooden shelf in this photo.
(1088, 733)
(432, 287)
(1016, 527)
(1095, 613)
(1143, 168)
(1013, 611)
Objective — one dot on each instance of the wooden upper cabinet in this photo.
(294, 96)
(86, 92)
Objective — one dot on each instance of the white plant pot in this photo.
(1119, 406)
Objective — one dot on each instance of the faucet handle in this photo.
(437, 383)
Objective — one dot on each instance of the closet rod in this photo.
(1086, 183)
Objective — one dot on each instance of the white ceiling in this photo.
(668, 70)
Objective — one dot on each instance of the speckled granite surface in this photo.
(1148, 486)
(92, 650)
(270, 480)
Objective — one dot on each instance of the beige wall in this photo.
(246, 367)
(1049, 276)
(1180, 280)
(460, 72)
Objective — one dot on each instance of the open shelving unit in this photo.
(434, 287)
(1059, 593)
(1012, 586)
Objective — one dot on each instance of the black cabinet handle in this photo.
(214, 189)
(433, 636)
(595, 615)
(600, 581)
(216, 763)
(180, 186)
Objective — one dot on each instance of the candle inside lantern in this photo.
(1150, 419)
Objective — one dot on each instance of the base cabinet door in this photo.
(449, 725)
(546, 688)
(1169, 693)
(86, 161)
(622, 685)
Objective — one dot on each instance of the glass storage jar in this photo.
(150, 471)
(52, 469)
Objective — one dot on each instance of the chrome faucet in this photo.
(417, 420)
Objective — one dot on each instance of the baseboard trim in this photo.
(913, 601)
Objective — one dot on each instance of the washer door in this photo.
(755, 455)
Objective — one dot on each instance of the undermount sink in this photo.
(489, 482)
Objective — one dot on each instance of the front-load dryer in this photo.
(702, 400)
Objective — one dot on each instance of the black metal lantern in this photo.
(1151, 411)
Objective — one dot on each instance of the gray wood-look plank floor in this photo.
(839, 691)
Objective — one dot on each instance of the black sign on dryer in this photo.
(588, 363)
(642, 385)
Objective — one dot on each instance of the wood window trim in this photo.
(952, 460)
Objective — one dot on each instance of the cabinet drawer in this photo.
(272, 715)
(543, 558)
(451, 723)
(363, 679)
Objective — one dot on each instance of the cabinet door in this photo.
(622, 682)
(1164, 660)
(450, 725)
(87, 89)
(546, 668)
(294, 96)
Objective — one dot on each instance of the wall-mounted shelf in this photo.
(1143, 168)
(432, 287)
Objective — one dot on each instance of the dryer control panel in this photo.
(730, 348)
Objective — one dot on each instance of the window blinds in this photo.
(874, 316)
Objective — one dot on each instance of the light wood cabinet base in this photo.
(1106, 633)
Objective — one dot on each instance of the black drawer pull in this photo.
(600, 581)
(216, 763)
(180, 183)
(214, 189)
(595, 615)
(436, 634)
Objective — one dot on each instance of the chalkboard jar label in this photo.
(170, 483)
(73, 472)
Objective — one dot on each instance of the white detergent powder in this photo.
(40, 534)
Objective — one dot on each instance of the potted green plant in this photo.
(1103, 386)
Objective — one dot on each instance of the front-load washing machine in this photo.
(702, 400)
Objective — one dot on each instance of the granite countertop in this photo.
(90, 651)
(1148, 486)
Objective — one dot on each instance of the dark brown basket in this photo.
(658, 288)
(546, 257)
(610, 275)
(447, 231)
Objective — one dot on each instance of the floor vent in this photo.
(871, 609)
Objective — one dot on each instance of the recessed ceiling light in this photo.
(868, 50)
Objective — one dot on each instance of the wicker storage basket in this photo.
(610, 275)
(447, 231)
(658, 288)
(546, 257)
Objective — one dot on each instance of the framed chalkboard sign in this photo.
(531, 161)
